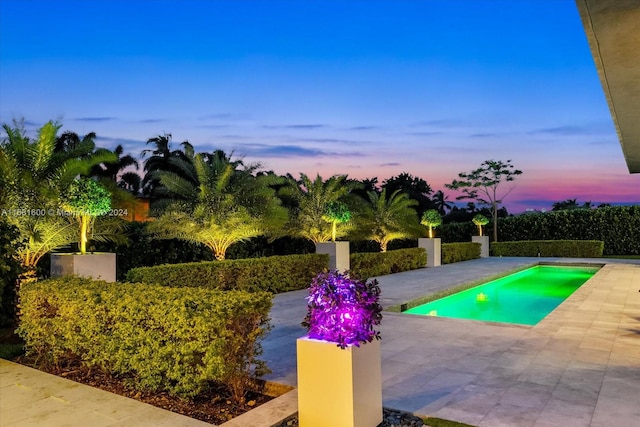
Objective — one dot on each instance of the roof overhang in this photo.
(613, 31)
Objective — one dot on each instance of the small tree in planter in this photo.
(480, 220)
(339, 368)
(86, 199)
(343, 310)
(336, 213)
(431, 218)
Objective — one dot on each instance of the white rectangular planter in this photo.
(339, 387)
(338, 254)
(433, 246)
(96, 265)
(484, 245)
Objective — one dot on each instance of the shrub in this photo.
(552, 248)
(359, 246)
(480, 220)
(369, 264)
(460, 251)
(457, 232)
(431, 218)
(272, 274)
(618, 227)
(144, 251)
(10, 270)
(343, 310)
(173, 339)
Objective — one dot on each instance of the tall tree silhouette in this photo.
(483, 184)
(415, 188)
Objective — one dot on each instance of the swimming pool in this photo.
(524, 298)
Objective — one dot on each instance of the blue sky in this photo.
(368, 88)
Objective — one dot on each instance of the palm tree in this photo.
(225, 206)
(131, 182)
(441, 203)
(112, 169)
(70, 141)
(33, 178)
(385, 219)
(163, 159)
(312, 200)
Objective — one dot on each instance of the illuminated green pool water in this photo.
(523, 298)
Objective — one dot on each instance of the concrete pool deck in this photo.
(580, 366)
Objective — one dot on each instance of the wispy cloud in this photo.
(433, 133)
(216, 116)
(437, 123)
(133, 146)
(358, 128)
(152, 121)
(383, 165)
(263, 150)
(483, 135)
(603, 142)
(328, 140)
(575, 130)
(94, 119)
(303, 126)
(233, 136)
(213, 126)
(259, 150)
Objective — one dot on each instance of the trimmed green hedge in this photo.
(553, 248)
(370, 264)
(10, 270)
(459, 231)
(456, 252)
(618, 227)
(173, 339)
(272, 274)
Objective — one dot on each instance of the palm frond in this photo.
(176, 185)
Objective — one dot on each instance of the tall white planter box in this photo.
(433, 246)
(339, 387)
(484, 245)
(96, 265)
(338, 254)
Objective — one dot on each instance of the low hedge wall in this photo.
(173, 339)
(456, 252)
(272, 274)
(369, 264)
(552, 248)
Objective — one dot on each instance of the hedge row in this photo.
(10, 269)
(618, 227)
(145, 251)
(459, 231)
(272, 274)
(173, 339)
(456, 252)
(370, 264)
(551, 248)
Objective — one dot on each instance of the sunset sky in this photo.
(366, 88)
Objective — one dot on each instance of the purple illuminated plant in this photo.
(343, 310)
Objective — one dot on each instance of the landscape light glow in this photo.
(343, 310)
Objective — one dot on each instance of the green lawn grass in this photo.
(439, 422)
